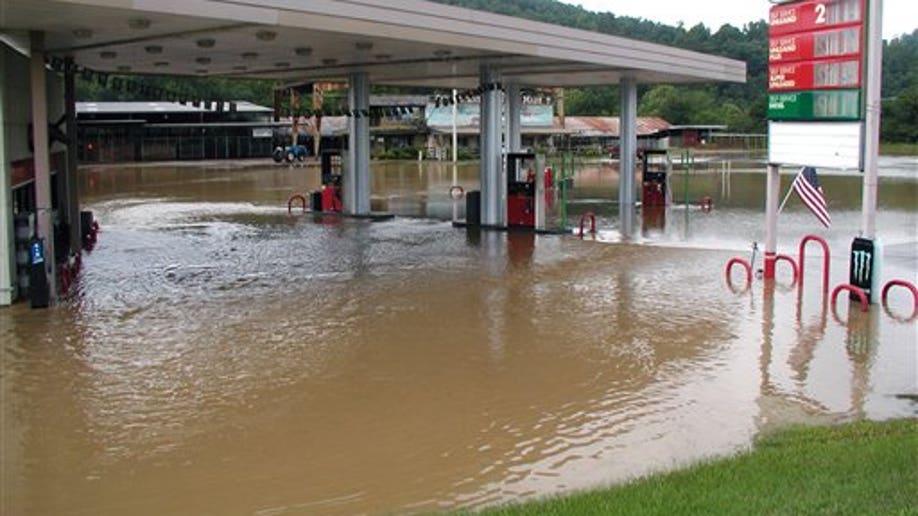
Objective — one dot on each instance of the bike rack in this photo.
(745, 264)
(290, 203)
(905, 284)
(788, 259)
(592, 222)
(825, 259)
(865, 304)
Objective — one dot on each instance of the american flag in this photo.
(807, 187)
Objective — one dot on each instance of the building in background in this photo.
(157, 131)
(400, 127)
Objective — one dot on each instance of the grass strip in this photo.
(859, 468)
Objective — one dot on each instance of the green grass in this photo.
(899, 149)
(859, 469)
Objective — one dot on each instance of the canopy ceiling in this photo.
(405, 42)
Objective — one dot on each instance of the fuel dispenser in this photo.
(655, 196)
(521, 190)
(654, 180)
(329, 198)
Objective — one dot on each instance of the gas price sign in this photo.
(815, 48)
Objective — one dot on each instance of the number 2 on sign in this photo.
(820, 14)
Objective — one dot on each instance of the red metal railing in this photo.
(825, 259)
(588, 215)
(746, 265)
(290, 203)
(865, 304)
(788, 259)
(905, 284)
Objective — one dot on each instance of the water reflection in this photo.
(219, 356)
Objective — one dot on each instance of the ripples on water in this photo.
(222, 357)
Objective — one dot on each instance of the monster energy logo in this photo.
(860, 266)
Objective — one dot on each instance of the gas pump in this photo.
(521, 190)
(329, 198)
(654, 191)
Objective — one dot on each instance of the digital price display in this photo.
(811, 75)
(837, 105)
(811, 16)
(844, 42)
(815, 60)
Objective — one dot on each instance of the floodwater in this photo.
(220, 357)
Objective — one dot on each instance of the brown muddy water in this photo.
(220, 357)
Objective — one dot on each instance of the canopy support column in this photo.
(41, 157)
(628, 142)
(492, 188)
(357, 173)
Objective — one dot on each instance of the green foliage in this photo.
(900, 117)
(401, 153)
(900, 64)
(252, 90)
(861, 468)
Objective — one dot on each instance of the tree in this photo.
(900, 117)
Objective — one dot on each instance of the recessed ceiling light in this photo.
(82, 33)
(153, 49)
(139, 23)
(329, 61)
(383, 57)
(108, 54)
(206, 42)
(250, 55)
(203, 60)
(161, 64)
(303, 51)
(364, 45)
(124, 68)
(266, 35)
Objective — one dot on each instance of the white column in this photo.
(357, 174)
(492, 189)
(514, 121)
(455, 147)
(72, 180)
(41, 155)
(628, 142)
(874, 84)
(772, 198)
(7, 240)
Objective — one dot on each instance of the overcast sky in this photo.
(899, 16)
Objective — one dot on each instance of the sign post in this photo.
(824, 76)
(874, 84)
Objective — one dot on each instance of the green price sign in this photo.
(815, 105)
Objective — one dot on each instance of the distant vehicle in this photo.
(290, 153)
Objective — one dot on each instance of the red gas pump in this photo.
(521, 190)
(329, 198)
(654, 190)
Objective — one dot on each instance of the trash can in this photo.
(473, 208)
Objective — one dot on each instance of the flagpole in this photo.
(790, 190)
(772, 191)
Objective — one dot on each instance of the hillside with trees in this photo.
(742, 107)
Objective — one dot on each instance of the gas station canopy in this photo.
(404, 42)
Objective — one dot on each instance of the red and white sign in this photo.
(815, 75)
(844, 42)
(810, 16)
